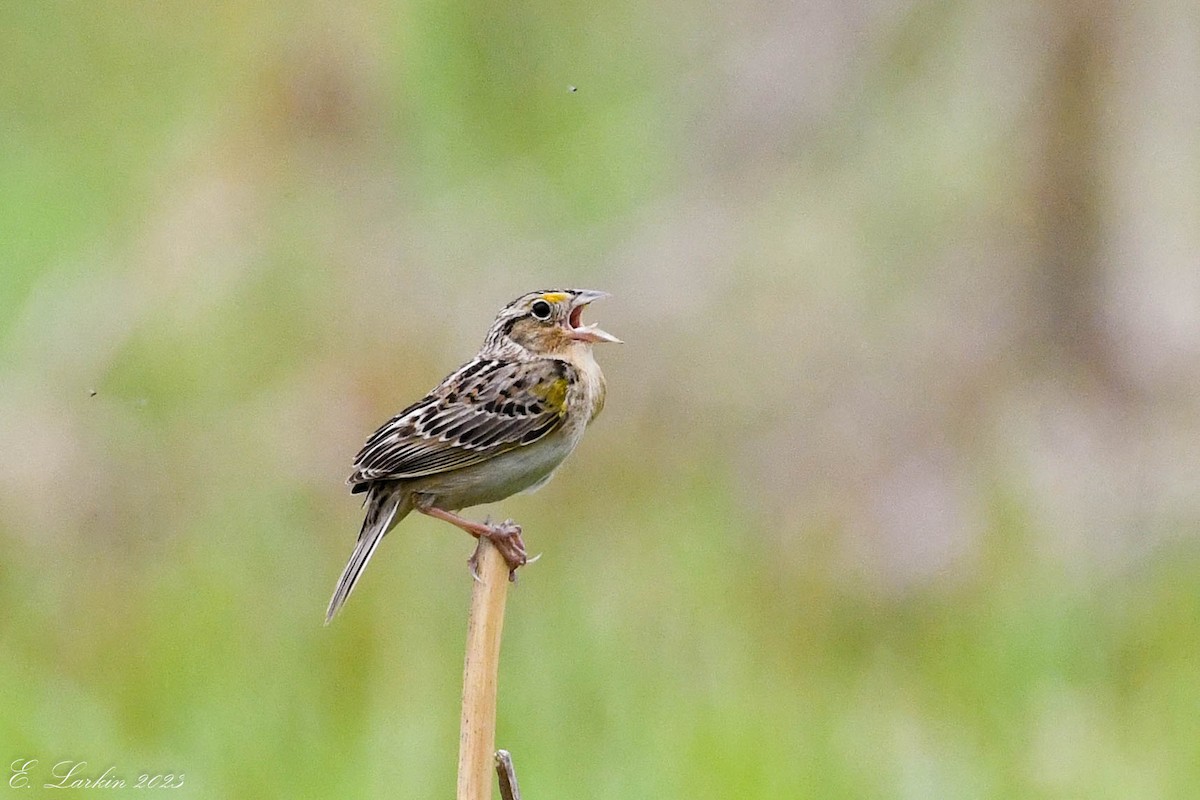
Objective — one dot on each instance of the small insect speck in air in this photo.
(572, 89)
(91, 392)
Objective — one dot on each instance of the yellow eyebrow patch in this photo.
(554, 297)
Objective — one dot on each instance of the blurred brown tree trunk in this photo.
(1069, 194)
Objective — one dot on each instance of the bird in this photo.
(500, 424)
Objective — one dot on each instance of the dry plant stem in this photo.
(477, 736)
(507, 775)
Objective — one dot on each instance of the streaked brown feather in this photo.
(486, 407)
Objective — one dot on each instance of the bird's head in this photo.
(547, 322)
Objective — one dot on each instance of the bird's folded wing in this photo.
(483, 409)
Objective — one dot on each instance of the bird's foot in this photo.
(507, 539)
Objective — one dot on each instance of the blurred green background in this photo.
(897, 488)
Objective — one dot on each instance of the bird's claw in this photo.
(473, 565)
(506, 537)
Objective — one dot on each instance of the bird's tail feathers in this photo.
(382, 505)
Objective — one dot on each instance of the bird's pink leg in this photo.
(506, 537)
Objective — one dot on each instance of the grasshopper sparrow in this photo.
(500, 424)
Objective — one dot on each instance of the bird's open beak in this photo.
(575, 326)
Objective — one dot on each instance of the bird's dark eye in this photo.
(541, 309)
